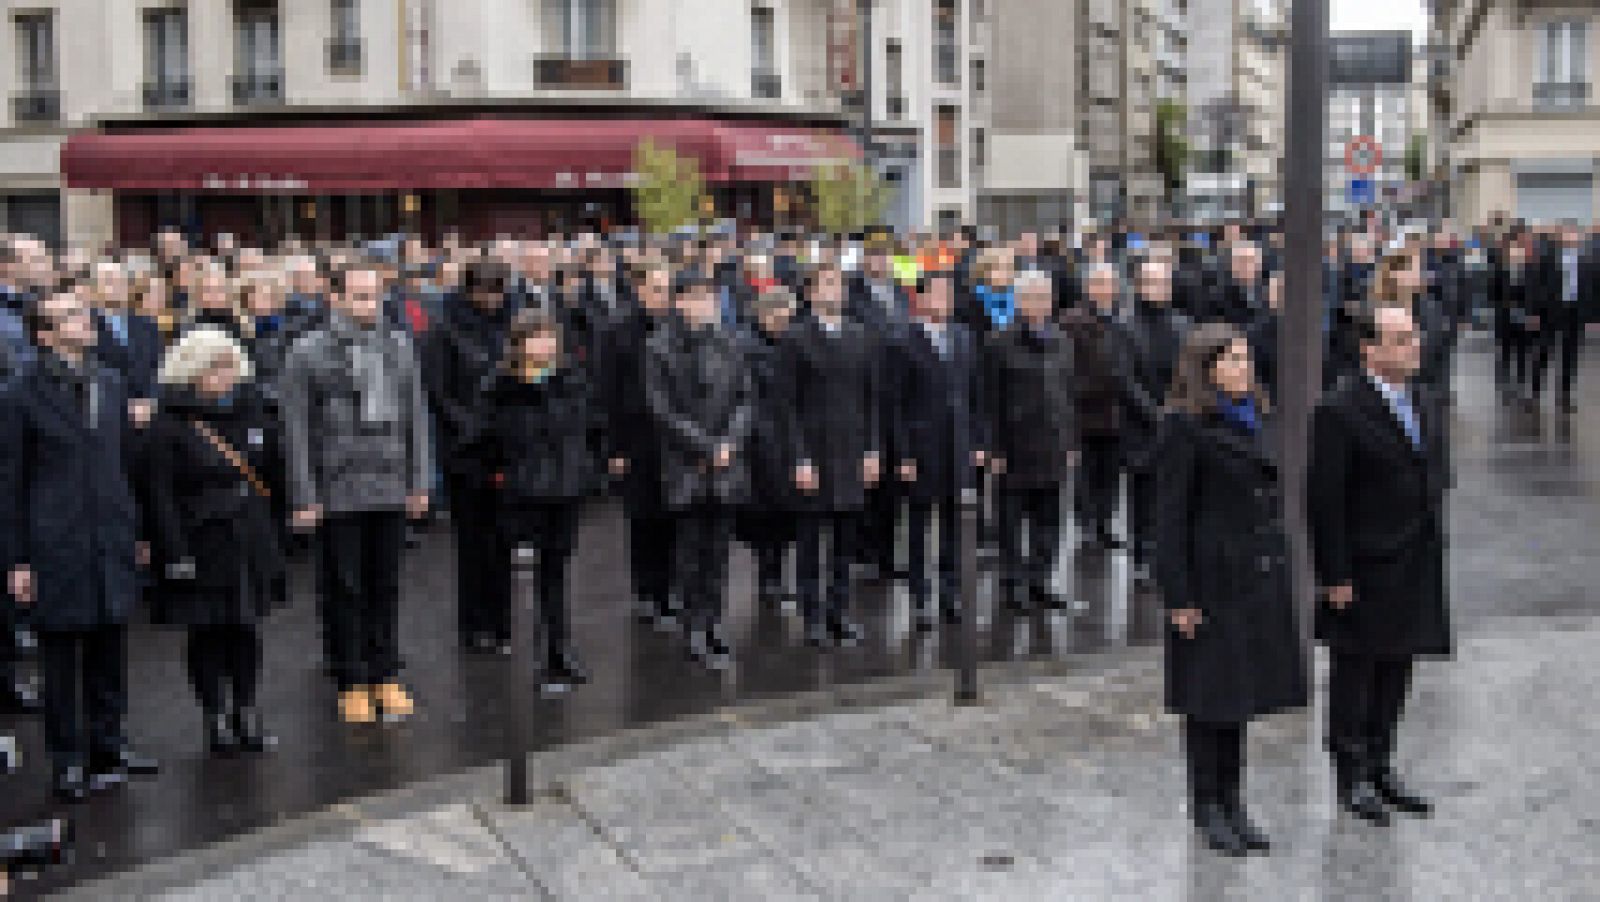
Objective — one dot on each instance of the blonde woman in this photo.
(215, 468)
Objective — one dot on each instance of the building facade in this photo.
(1237, 82)
(763, 92)
(1517, 119)
(1369, 120)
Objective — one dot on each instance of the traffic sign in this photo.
(1363, 155)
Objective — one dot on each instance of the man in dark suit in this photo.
(69, 540)
(1102, 353)
(882, 306)
(1515, 326)
(1569, 287)
(939, 436)
(128, 342)
(1157, 332)
(837, 393)
(1377, 482)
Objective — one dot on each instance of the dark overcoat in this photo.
(630, 428)
(774, 436)
(535, 436)
(937, 419)
(700, 394)
(1376, 510)
(67, 510)
(1222, 549)
(1031, 405)
(215, 542)
(838, 378)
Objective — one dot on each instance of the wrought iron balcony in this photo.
(168, 94)
(258, 88)
(571, 73)
(37, 105)
(345, 55)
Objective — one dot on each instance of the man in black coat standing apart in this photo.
(1377, 485)
(837, 379)
(69, 541)
(939, 436)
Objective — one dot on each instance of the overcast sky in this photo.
(1370, 15)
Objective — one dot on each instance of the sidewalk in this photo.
(1062, 785)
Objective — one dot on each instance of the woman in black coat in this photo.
(531, 426)
(767, 523)
(215, 466)
(1233, 653)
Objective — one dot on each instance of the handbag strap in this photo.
(233, 457)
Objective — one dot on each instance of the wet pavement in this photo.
(1523, 521)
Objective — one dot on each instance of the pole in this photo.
(1301, 337)
(516, 724)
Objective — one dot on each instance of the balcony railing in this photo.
(168, 94)
(766, 84)
(345, 55)
(258, 88)
(569, 73)
(1560, 95)
(37, 105)
(946, 59)
(949, 167)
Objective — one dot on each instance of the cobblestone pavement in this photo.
(1065, 785)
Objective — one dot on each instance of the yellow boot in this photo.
(355, 705)
(392, 698)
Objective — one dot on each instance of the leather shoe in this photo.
(127, 761)
(70, 785)
(1011, 599)
(1214, 826)
(1247, 831)
(1361, 799)
(565, 666)
(922, 618)
(844, 633)
(1395, 794)
(1045, 598)
(220, 738)
(250, 730)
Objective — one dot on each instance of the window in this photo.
(581, 29)
(894, 75)
(947, 131)
(419, 45)
(765, 82)
(39, 100)
(258, 67)
(344, 47)
(166, 58)
(980, 151)
(946, 54)
(979, 82)
(1562, 78)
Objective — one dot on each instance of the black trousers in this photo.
(819, 605)
(1215, 754)
(922, 518)
(1099, 481)
(360, 584)
(9, 622)
(547, 534)
(1036, 511)
(483, 576)
(1514, 351)
(1560, 332)
(1142, 514)
(704, 533)
(875, 538)
(223, 660)
(85, 693)
(1366, 696)
(651, 537)
(769, 536)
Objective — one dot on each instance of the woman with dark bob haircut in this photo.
(1233, 652)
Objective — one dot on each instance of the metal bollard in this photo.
(524, 561)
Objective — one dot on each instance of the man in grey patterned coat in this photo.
(356, 424)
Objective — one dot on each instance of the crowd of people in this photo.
(179, 423)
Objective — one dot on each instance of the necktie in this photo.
(1408, 419)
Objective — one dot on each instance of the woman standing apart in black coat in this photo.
(1234, 652)
(215, 467)
(533, 420)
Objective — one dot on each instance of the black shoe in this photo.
(1045, 598)
(1012, 599)
(1214, 826)
(1247, 831)
(70, 785)
(1111, 540)
(922, 618)
(250, 730)
(1360, 798)
(37, 845)
(844, 633)
(565, 667)
(818, 635)
(220, 737)
(124, 760)
(699, 646)
(721, 656)
(1395, 794)
(25, 697)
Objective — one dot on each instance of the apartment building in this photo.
(1369, 100)
(325, 117)
(1237, 81)
(1516, 115)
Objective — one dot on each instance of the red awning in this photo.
(448, 154)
